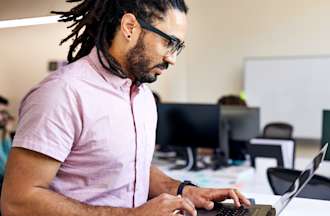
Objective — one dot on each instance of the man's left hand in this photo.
(205, 197)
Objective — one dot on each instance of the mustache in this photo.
(162, 66)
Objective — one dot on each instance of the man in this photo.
(6, 128)
(86, 134)
(3, 103)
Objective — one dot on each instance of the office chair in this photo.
(232, 100)
(280, 179)
(278, 130)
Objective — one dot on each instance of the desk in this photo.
(258, 182)
(297, 207)
(253, 183)
(244, 177)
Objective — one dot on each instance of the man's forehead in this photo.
(174, 23)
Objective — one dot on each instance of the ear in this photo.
(128, 25)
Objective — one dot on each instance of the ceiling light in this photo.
(28, 21)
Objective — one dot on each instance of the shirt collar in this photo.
(114, 80)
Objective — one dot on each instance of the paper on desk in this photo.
(287, 147)
(223, 178)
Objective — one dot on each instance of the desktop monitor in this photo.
(238, 123)
(188, 125)
(326, 131)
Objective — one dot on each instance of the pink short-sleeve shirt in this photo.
(99, 126)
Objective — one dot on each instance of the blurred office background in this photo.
(222, 33)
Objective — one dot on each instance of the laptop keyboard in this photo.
(241, 211)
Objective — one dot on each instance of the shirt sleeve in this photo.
(49, 120)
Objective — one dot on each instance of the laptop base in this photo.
(256, 210)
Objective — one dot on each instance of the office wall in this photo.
(221, 34)
(224, 32)
(15, 9)
(24, 56)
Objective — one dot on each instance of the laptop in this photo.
(227, 209)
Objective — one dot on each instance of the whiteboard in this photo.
(290, 89)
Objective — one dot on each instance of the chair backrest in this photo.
(232, 100)
(278, 130)
(280, 179)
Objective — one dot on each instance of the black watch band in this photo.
(182, 185)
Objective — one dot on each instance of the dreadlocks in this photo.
(95, 23)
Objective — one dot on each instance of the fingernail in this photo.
(195, 213)
(210, 205)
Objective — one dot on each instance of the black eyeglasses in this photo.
(175, 44)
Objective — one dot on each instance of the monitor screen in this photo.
(239, 124)
(242, 123)
(326, 131)
(188, 125)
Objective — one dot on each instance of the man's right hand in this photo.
(166, 205)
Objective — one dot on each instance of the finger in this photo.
(243, 199)
(222, 194)
(177, 213)
(205, 203)
(232, 194)
(209, 205)
(189, 202)
(183, 204)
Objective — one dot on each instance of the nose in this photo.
(171, 59)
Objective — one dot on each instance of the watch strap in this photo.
(182, 185)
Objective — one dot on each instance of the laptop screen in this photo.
(301, 181)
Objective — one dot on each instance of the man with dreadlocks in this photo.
(86, 133)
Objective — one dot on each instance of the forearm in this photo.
(40, 202)
(161, 183)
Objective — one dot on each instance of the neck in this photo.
(119, 54)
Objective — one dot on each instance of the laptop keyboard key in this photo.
(241, 211)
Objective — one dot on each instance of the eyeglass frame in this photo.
(178, 45)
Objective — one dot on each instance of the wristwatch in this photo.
(182, 185)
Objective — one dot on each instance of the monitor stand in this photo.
(191, 161)
(221, 154)
(220, 160)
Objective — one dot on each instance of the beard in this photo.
(138, 63)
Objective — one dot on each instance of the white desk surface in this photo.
(244, 177)
(297, 207)
(253, 183)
